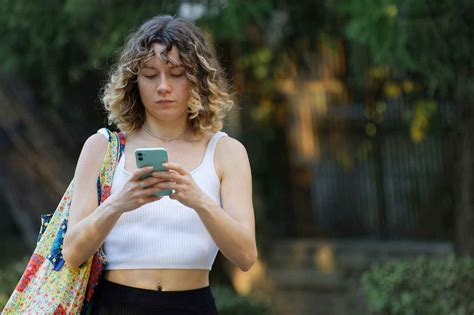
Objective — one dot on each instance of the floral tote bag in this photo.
(48, 285)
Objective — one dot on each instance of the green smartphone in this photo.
(153, 157)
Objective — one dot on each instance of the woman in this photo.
(167, 90)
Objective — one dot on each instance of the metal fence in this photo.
(384, 185)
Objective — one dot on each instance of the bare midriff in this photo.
(160, 279)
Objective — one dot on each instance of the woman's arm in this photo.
(88, 223)
(232, 227)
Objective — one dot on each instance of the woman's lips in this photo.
(164, 101)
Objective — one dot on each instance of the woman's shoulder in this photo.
(95, 147)
(91, 157)
(98, 140)
(228, 143)
(230, 153)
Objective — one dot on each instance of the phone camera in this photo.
(140, 159)
(140, 154)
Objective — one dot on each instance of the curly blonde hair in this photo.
(209, 100)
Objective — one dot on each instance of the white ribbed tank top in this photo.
(164, 233)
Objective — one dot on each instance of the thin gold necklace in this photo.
(167, 139)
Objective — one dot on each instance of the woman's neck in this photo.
(166, 131)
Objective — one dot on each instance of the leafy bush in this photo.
(230, 303)
(421, 286)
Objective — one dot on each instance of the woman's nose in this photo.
(163, 85)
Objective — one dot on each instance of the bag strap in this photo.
(52, 223)
(116, 145)
(115, 148)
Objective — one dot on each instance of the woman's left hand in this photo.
(186, 190)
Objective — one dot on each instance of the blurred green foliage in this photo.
(431, 39)
(419, 52)
(230, 20)
(423, 111)
(421, 286)
(54, 44)
(229, 303)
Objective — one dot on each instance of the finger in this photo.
(165, 185)
(152, 181)
(175, 167)
(149, 191)
(151, 198)
(140, 172)
(167, 175)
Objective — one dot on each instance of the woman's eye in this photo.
(150, 76)
(177, 74)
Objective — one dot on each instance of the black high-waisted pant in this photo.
(118, 299)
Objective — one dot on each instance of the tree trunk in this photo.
(35, 170)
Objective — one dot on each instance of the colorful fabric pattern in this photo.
(48, 285)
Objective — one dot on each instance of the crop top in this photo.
(164, 233)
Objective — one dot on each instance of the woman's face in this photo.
(164, 88)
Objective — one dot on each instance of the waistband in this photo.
(108, 290)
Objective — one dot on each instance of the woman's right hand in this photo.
(136, 192)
